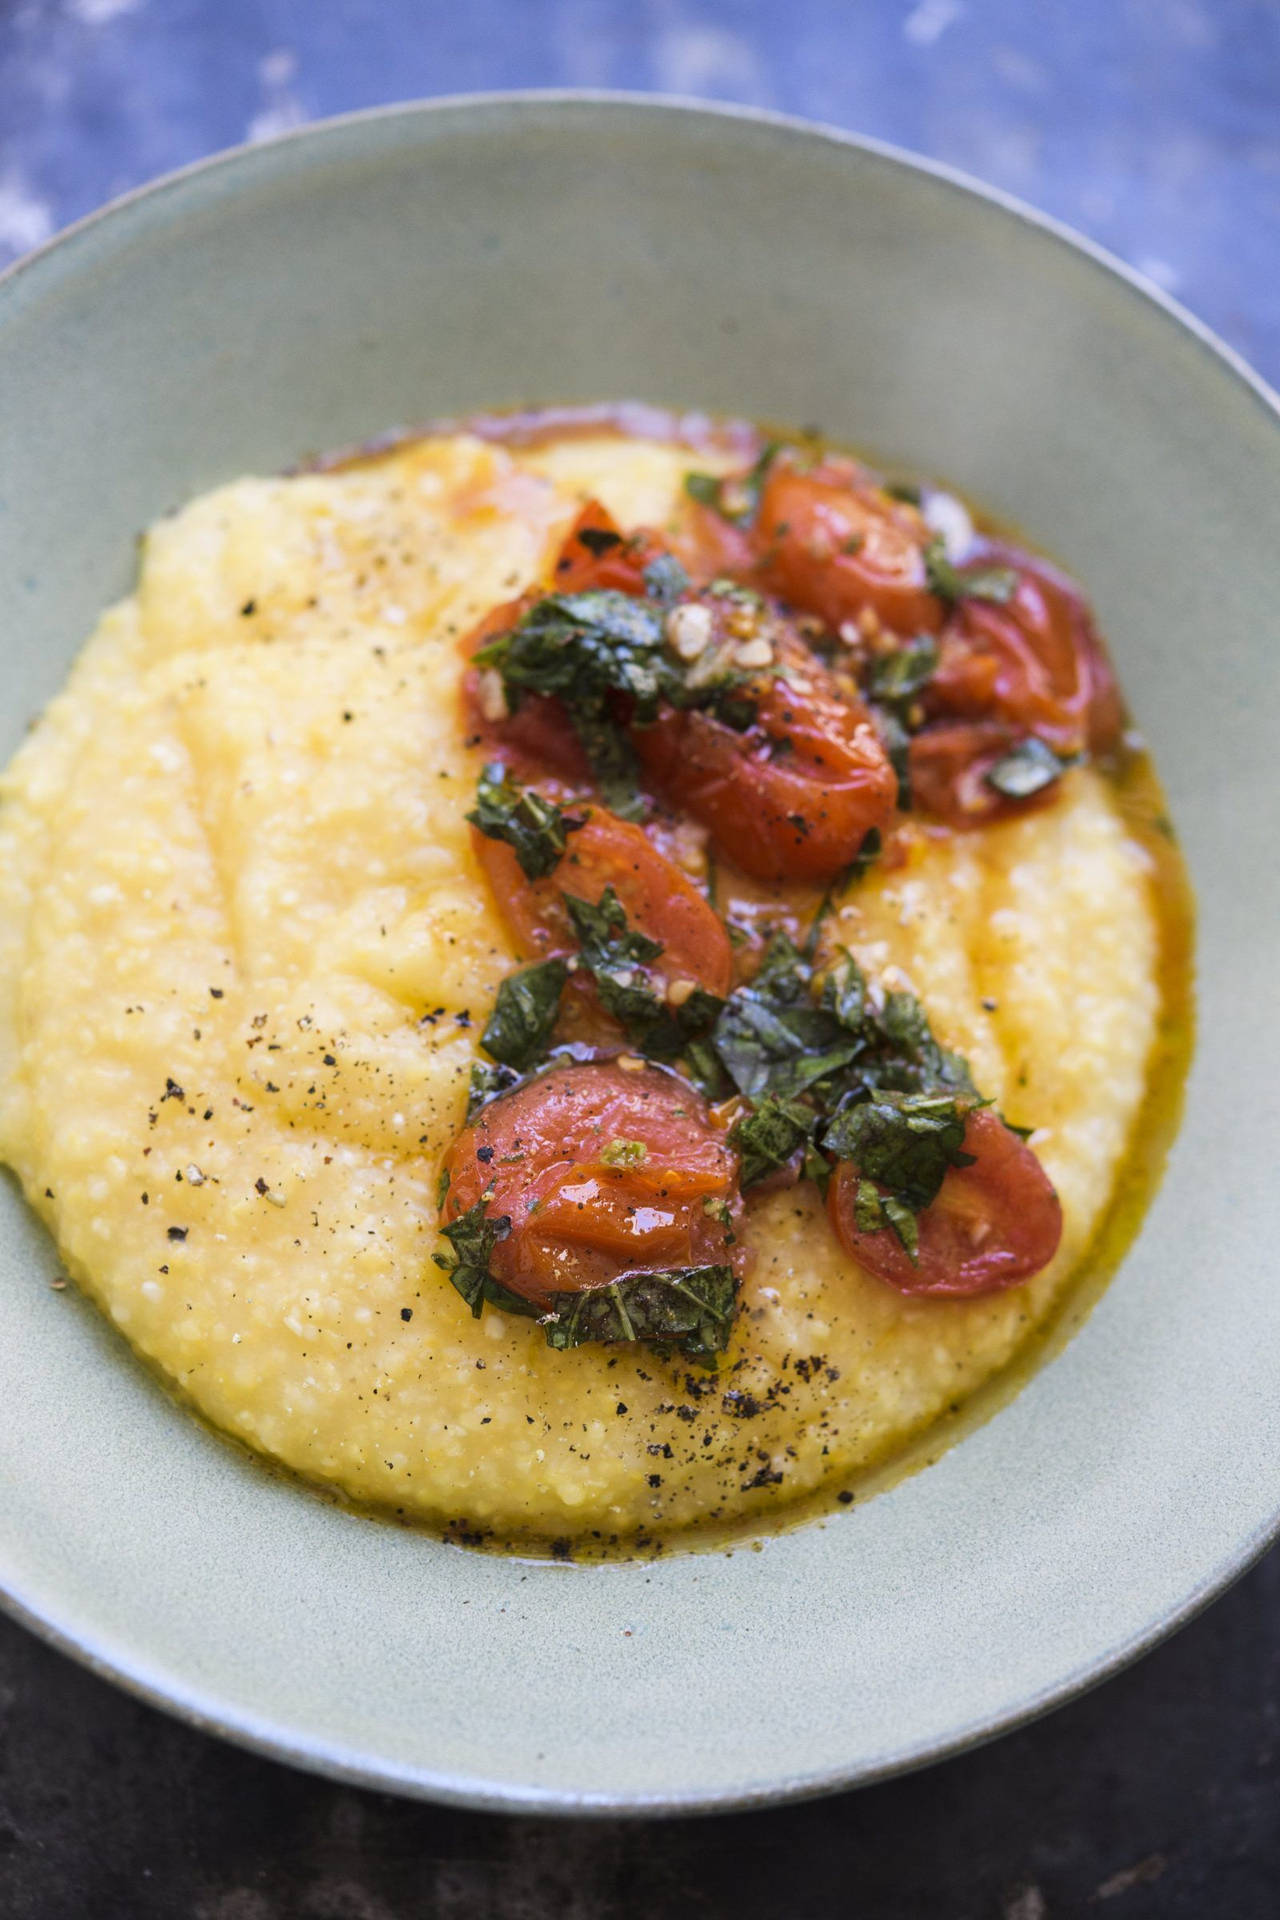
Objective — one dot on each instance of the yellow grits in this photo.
(246, 955)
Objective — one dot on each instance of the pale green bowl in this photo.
(479, 252)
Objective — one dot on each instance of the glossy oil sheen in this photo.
(435, 260)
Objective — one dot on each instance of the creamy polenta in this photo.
(248, 951)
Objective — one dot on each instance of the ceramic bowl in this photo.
(472, 253)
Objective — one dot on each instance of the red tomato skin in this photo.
(948, 765)
(1034, 662)
(710, 547)
(807, 524)
(576, 1221)
(657, 898)
(1033, 665)
(1006, 1190)
(799, 815)
(619, 567)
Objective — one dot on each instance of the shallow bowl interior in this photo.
(428, 260)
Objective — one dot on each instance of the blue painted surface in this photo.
(1154, 127)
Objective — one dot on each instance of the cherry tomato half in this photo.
(833, 543)
(601, 1172)
(597, 555)
(1033, 662)
(791, 797)
(948, 765)
(993, 1224)
(538, 738)
(659, 900)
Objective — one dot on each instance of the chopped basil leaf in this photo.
(704, 488)
(442, 1185)
(867, 1210)
(688, 1308)
(976, 583)
(583, 648)
(905, 1057)
(907, 490)
(894, 685)
(706, 1070)
(612, 762)
(672, 1030)
(608, 944)
(899, 676)
(472, 1238)
(904, 1143)
(815, 1168)
(728, 702)
(487, 1082)
(737, 497)
(844, 992)
(617, 957)
(768, 1136)
(848, 1074)
(873, 1211)
(665, 579)
(534, 827)
(1028, 768)
(896, 741)
(519, 1029)
(772, 1038)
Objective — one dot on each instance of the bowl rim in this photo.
(329, 1760)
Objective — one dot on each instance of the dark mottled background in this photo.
(1154, 126)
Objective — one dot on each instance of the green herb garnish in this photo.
(488, 1081)
(951, 584)
(585, 648)
(617, 957)
(768, 1136)
(905, 1142)
(665, 579)
(836, 1072)
(1028, 768)
(519, 1029)
(735, 498)
(534, 827)
(772, 1038)
(472, 1238)
(894, 684)
(897, 677)
(690, 1309)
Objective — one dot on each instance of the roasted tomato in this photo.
(993, 1224)
(597, 555)
(1033, 663)
(537, 740)
(793, 795)
(601, 1172)
(949, 763)
(832, 543)
(657, 898)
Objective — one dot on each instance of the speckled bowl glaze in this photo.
(501, 250)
